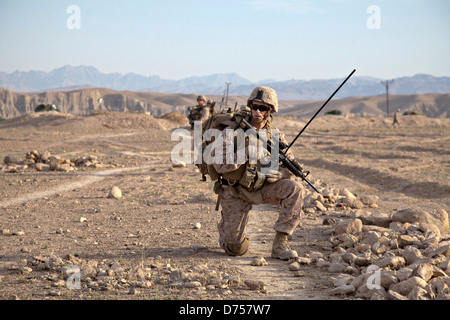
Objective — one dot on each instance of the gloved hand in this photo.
(273, 176)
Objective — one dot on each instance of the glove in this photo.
(273, 176)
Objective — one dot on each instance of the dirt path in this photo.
(280, 282)
(86, 180)
(155, 218)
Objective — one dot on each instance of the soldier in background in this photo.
(396, 116)
(210, 104)
(199, 112)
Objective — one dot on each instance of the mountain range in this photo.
(69, 78)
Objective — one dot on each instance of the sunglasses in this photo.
(259, 107)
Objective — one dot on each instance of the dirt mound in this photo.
(38, 119)
(175, 117)
(125, 120)
(109, 120)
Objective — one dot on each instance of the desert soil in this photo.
(152, 227)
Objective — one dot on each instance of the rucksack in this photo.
(218, 121)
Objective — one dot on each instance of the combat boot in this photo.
(280, 248)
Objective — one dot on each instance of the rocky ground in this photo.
(92, 208)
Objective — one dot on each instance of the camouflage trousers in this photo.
(288, 194)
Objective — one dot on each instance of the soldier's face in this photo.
(201, 102)
(258, 112)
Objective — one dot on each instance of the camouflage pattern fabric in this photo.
(286, 193)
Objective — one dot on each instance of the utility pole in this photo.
(386, 84)
(228, 89)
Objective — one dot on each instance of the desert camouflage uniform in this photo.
(199, 112)
(237, 202)
(396, 115)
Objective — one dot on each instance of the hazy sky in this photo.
(258, 39)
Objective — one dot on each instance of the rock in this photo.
(328, 221)
(363, 261)
(315, 256)
(64, 167)
(411, 254)
(322, 263)
(345, 289)
(403, 274)
(436, 219)
(9, 160)
(255, 284)
(352, 227)
(346, 193)
(392, 295)
(88, 272)
(405, 287)
(197, 225)
(45, 156)
(377, 219)
(369, 200)
(295, 266)
(366, 292)
(193, 284)
(178, 164)
(304, 261)
(405, 240)
(443, 249)
(54, 293)
(352, 203)
(418, 293)
(311, 198)
(387, 279)
(391, 262)
(115, 193)
(440, 284)
(343, 279)
(133, 291)
(25, 269)
(337, 267)
(259, 262)
(319, 206)
(371, 237)
(424, 271)
(42, 167)
(349, 257)
(379, 248)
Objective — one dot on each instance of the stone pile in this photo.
(44, 161)
(401, 256)
(335, 199)
(88, 275)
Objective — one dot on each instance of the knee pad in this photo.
(237, 250)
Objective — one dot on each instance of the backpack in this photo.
(218, 121)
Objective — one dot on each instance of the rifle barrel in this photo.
(331, 97)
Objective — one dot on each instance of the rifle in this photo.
(283, 148)
(291, 166)
(320, 109)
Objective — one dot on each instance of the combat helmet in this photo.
(266, 95)
(201, 97)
